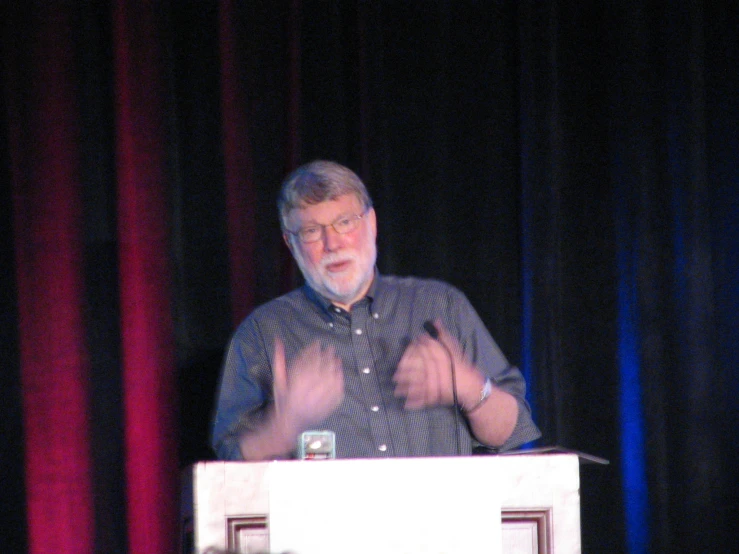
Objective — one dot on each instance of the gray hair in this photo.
(316, 182)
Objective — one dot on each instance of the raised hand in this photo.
(424, 373)
(310, 389)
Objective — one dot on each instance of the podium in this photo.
(527, 503)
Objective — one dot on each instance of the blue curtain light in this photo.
(631, 414)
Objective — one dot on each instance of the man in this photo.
(351, 351)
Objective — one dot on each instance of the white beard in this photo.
(342, 287)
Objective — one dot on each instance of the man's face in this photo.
(338, 266)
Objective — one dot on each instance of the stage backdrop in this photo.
(572, 167)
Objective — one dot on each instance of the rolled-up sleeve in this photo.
(243, 391)
(485, 353)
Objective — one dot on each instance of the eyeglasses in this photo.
(343, 225)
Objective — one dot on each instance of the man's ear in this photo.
(373, 221)
(286, 238)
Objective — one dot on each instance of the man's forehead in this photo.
(327, 208)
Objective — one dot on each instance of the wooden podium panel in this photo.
(510, 504)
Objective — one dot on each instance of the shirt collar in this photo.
(327, 306)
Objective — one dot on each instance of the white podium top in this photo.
(450, 505)
(401, 506)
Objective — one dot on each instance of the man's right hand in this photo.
(309, 390)
(305, 394)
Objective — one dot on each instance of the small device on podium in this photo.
(317, 445)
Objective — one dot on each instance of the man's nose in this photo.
(331, 239)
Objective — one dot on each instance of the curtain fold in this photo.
(147, 331)
(44, 130)
(570, 167)
(241, 196)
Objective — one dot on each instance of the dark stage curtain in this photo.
(572, 167)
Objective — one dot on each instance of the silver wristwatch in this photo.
(487, 389)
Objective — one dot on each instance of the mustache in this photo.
(333, 258)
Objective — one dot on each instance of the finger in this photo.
(402, 369)
(330, 362)
(401, 389)
(448, 340)
(409, 375)
(407, 366)
(425, 390)
(311, 354)
(334, 370)
(402, 379)
(413, 387)
(415, 398)
(308, 361)
(433, 381)
(279, 371)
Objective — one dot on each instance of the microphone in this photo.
(431, 329)
(433, 332)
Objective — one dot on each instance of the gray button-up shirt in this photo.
(370, 340)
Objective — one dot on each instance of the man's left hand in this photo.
(424, 373)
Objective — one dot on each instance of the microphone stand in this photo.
(433, 332)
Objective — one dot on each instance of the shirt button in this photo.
(382, 447)
(375, 408)
(366, 370)
(358, 331)
(376, 315)
(331, 325)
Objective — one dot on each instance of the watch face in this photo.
(487, 389)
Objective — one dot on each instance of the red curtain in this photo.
(149, 384)
(48, 230)
(44, 105)
(462, 114)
